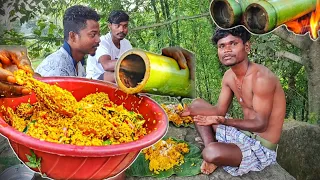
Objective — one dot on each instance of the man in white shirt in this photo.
(112, 46)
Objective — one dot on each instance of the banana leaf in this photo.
(190, 167)
(191, 125)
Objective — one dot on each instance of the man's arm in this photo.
(201, 107)
(263, 93)
(107, 63)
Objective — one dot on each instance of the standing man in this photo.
(248, 144)
(112, 46)
(81, 37)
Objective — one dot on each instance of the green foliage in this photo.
(22, 11)
(34, 162)
(313, 118)
(12, 37)
(45, 19)
(190, 167)
(48, 39)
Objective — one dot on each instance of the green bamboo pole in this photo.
(139, 71)
(264, 16)
(228, 13)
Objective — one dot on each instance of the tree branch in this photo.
(289, 55)
(301, 42)
(170, 22)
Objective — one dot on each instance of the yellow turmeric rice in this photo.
(95, 120)
(173, 112)
(52, 96)
(165, 154)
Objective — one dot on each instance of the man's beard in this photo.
(123, 35)
(231, 65)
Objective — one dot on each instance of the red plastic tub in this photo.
(61, 161)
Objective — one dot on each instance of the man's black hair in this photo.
(239, 31)
(75, 18)
(118, 16)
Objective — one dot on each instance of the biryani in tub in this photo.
(58, 117)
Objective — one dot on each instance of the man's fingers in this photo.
(190, 58)
(176, 54)
(4, 58)
(6, 76)
(181, 59)
(25, 91)
(9, 90)
(185, 113)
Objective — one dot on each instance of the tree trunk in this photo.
(166, 13)
(310, 56)
(157, 17)
(177, 24)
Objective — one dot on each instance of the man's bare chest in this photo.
(243, 93)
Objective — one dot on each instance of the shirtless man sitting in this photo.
(240, 145)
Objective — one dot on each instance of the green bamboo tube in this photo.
(228, 13)
(139, 71)
(264, 16)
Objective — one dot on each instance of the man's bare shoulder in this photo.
(228, 76)
(262, 72)
(263, 78)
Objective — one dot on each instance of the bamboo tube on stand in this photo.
(228, 13)
(264, 16)
(139, 71)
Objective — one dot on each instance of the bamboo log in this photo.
(139, 71)
(264, 16)
(228, 13)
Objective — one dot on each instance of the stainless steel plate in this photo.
(17, 172)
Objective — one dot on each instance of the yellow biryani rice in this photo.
(173, 112)
(165, 154)
(52, 96)
(95, 120)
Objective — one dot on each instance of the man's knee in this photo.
(200, 103)
(212, 153)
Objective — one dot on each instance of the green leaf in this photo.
(140, 167)
(190, 167)
(45, 3)
(37, 32)
(52, 27)
(30, 159)
(34, 162)
(107, 142)
(191, 125)
(25, 129)
(57, 43)
(41, 25)
(32, 165)
(39, 161)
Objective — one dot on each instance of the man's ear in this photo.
(72, 36)
(109, 26)
(247, 47)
